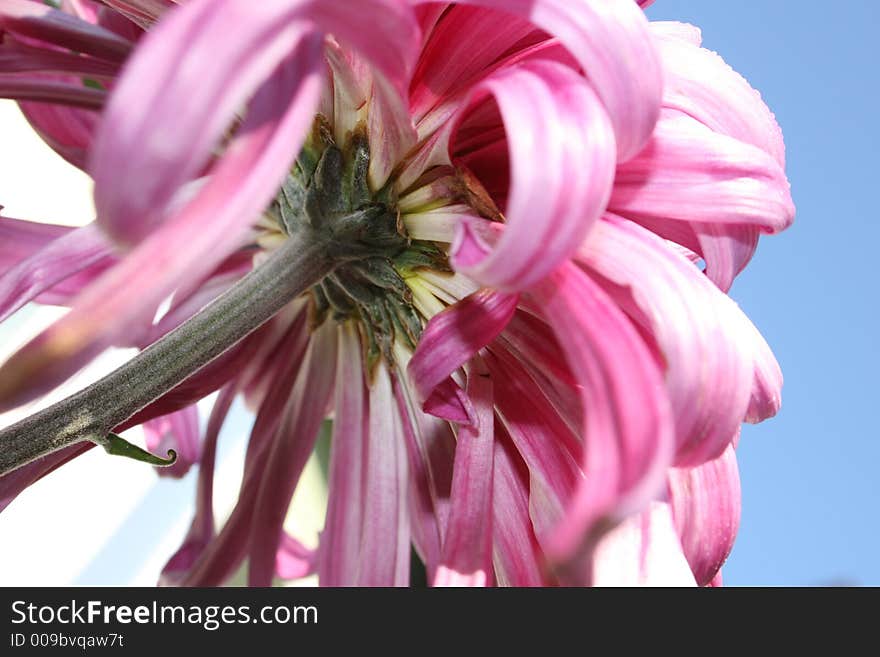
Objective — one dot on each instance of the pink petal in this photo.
(766, 397)
(448, 342)
(430, 446)
(428, 15)
(611, 41)
(390, 128)
(547, 445)
(39, 21)
(108, 308)
(88, 10)
(467, 546)
(57, 261)
(225, 50)
(517, 555)
(690, 173)
(440, 115)
(697, 328)
(532, 343)
(294, 560)
(555, 124)
(226, 552)
(19, 57)
(178, 431)
(351, 88)
(288, 453)
(67, 130)
(676, 30)
(42, 89)
(142, 12)
(706, 506)
(726, 249)
(391, 131)
(21, 239)
(717, 581)
(642, 551)
(628, 434)
(156, 123)
(700, 84)
(341, 537)
(385, 538)
(201, 530)
(725, 189)
(461, 47)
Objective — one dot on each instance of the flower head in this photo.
(530, 378)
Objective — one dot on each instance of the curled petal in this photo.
(108, 309)
(555, 125)
(611, 41)
(194, 71)
(701, 84)
(710, 192)
(179, 94)
(628, 431)
(706, 506)
(690, 173)
(766, 397)
(465, 42)
(726, 250)
(698, 329)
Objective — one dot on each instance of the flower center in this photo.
(328, 192)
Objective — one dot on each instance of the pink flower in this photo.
(531, 381)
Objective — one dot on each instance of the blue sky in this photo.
(810, 476)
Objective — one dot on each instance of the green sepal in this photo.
(118, 446)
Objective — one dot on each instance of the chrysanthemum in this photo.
(469, 234)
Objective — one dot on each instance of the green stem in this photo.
(301, 262)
